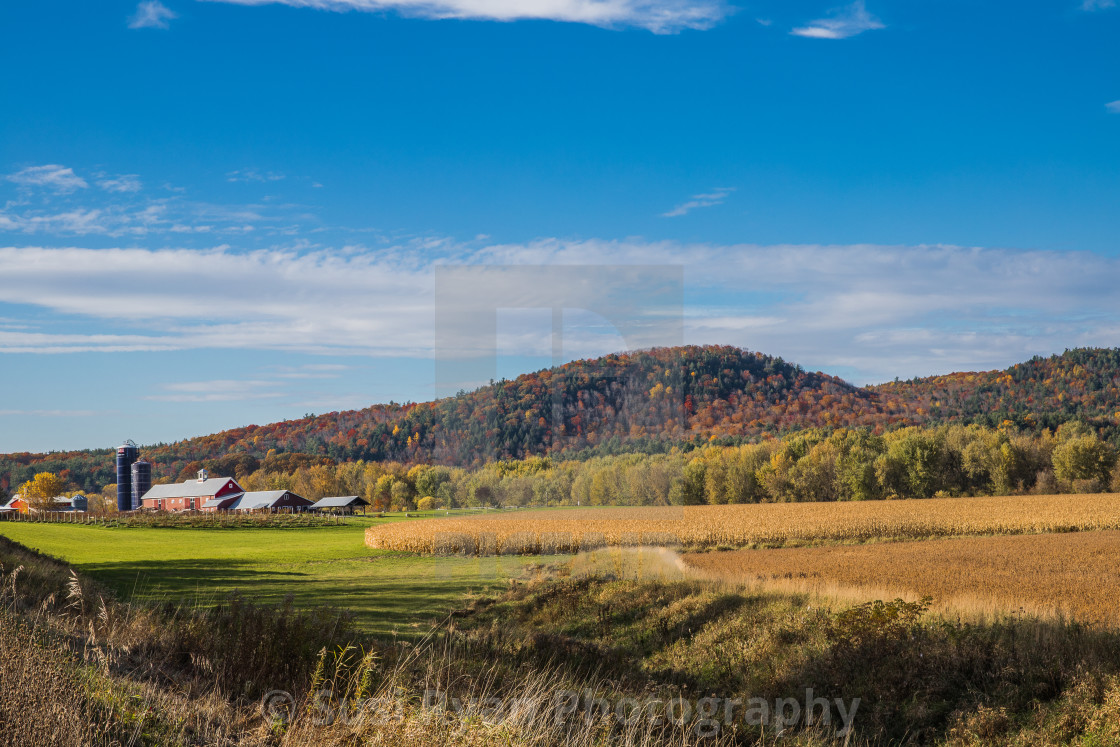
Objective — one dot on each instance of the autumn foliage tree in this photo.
(40, 490)
(651, 401)
(1084, 463)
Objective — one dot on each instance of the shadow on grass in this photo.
(403, 598)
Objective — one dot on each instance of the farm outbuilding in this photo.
(339, 505)
(77, 502)
(16, 504)
(263, 500)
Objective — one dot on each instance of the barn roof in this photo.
(192, 488)
(10, 505)
(259, 499)
(217, 502)
(340, 502)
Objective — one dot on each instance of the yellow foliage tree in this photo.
(39, 490)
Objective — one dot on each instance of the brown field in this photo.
(745, 526)
(1070, 575)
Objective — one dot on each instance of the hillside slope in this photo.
(635, 401)
(1045, 392)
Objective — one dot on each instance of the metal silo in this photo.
(127, 454)
(141, 482)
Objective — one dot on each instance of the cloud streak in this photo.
(133, 214)
(253, 175)
(841, 23)
(709, 199)
(345, 301)
(658, 16)
(222, 390)
(867, 312)
(50, 176)
(125, 183)
(151, 14)
(1113, 107)
(53, 413)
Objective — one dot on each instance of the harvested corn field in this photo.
(745, 526)
(1073, 575)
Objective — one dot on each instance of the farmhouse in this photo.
(16, 504)
(264, 500)
(341, 505)
(59, 503)
(193, 494)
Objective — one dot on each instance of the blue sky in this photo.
(229, 212)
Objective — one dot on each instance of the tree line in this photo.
(645, 401)
(821, 464)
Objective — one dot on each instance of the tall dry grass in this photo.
(1052, 576)
(440, 695)
(101, 671)
(78, 667)
(751, 525)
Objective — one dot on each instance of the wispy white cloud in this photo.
(310, 371)
(51, 176)
(869, 312)
(1091, 5)
(132, 214)
(54, 413)
(112, 220)
(1113, 106)
(659, 16)
(55, 342)
(221, 390)
(123, 183)
(253, 175)
(709, 199)
(151, 14)
(841, 23)
(349, 301)
(874, 312)
(52, 200)
(78, 221)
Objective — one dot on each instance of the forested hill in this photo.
(642, 400)
(1042, 392)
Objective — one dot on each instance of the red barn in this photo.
(16, 504)
(191, 495)
(265, 500)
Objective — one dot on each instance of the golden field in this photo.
(750, 525)
(1071, 575)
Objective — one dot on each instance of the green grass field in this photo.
(389, 593)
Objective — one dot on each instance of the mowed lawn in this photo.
(389, 593)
